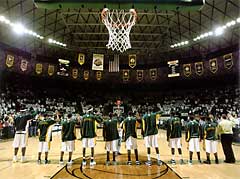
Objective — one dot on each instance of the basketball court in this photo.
(118, 42)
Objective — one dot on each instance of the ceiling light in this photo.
(18, 28)
(219, 31)
(238, 20)
(50, 40)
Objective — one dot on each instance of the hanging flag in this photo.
(23, 64)
(199, 68)
(75, 73)
(153, 73)
(86, 75)
(51, 69)
(139, 75)
(187, 69)
(98, 75)
(9, 60)
(228, 60)
(132, 60)
(114, 64)
(213, 65)
(173, 68)
(38, 68)
(98, 60)
(126, 75)
(81, 58)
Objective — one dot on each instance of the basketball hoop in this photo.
(119, 25)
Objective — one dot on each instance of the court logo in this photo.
(228, 61)
(187, 70)
(132, 60)
(125, 75)
(139, 75)
(74, 73)
(38, 68)
(51, 70)
(9, 61)
(81, 58)
(153, 74)
(86, 75)
(199, 68)
(24, 64)
(213, 65)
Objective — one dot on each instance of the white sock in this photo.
(173, 157)
(180, 156)
(158, 156)
(148, 157)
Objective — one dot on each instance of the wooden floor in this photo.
(31, 170)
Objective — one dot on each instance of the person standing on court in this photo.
(130, 130)
(68, 138)
(21, 123)
(88, 132)
(111, 136)
(174, 135)
(150, 134)
(193, 137)
(210, 139)
(225, 131)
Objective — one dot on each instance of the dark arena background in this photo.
(61, 57)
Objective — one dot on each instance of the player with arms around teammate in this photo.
(150, 134)
(21, 123)
(130, 129)
(111, 136)
(68, 138)
(88, 132)
(174, 135)
(193, 137)
(45, 135)
(210, 137)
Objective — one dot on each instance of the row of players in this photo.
(129, 125)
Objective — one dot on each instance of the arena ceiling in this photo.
(152, 36)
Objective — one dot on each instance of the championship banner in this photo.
(85, 75)
(98, 62)
(173, 69)
(132, 60)
(187, 70)
(23, 64)
(126, 75)
(139, 75)
(213, 65)
(228, 60)
(75, 73)
(81, 58)
(153, 73)
(98, 75)
(38, 68)
(199, 68)
(9, 61)
(51, 69)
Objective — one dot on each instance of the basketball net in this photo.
(119, 25)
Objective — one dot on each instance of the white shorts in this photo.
(194, 145)
(175, 143)
(112, 145)
(131, 143)
(211, 146)
(43, 146)
(151, 141)
(68, 146)
(88, 142)
(20, 140)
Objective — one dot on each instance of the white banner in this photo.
(98, 60)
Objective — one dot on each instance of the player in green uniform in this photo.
(210, 138)
(174, 135)
(111, 136)
(150, 133)
(193, 137)
(45, 135)
(68, 138)
(88, 132)
(130, 129)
